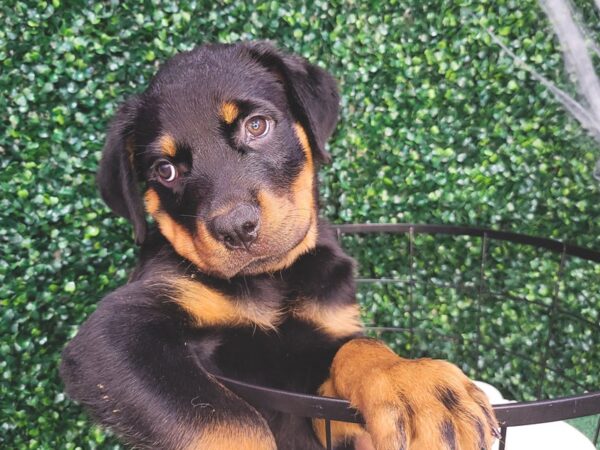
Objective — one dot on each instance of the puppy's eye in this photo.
(257, 126)
(166, 171)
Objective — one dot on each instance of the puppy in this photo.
(238, 276)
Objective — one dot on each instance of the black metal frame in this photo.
(512, 414)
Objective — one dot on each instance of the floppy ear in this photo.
(312, 93)
(117, 177)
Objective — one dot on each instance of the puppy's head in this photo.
(221, 150)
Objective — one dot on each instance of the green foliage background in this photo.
(437, 126)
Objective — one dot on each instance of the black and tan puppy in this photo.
(240, 277)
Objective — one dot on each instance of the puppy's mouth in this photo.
(260, 263)
(272, 251)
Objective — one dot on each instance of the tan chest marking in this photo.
(209, 307)
(335, 320)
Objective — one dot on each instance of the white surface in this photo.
(543, 436)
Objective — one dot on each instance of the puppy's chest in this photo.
(267, 332)
(294, 356)
(267, 308)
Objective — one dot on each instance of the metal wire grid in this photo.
(514, 414)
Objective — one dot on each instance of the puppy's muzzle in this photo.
(237, 228)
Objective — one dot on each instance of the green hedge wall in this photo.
(437, 126)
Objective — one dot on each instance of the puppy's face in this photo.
(228, 169)
(224, 143)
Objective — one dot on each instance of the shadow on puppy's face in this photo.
(225, 142)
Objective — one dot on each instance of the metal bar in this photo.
(512, 414)
(468, 286)
(384, 329)
(302, 405)
(542, 411)
(551, 319)
(481, 285)
(503, 429)
(382, 280)
(328, 434)
(411, 304)
(597, 433)
(549, 244)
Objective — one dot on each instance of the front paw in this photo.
(421, 404)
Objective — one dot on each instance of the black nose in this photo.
(237, 228)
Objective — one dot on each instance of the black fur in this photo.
(449, 434)
(448, 398)
(140, 364)
(116, 176)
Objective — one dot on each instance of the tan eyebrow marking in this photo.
(167, 145)
(229, 112)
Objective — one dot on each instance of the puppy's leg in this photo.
(409, 404)
(132, 367)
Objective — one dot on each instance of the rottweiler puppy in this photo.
(238, 275)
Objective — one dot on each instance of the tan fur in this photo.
(302, 136)
(180, 238)
(302, 207)
(229, 112)
(151, 201)
(167, 145)
(234, 437)
(389, 390)
(183, 242)
(307, 244)
(335, 320)
(209, 307)
(217, 258)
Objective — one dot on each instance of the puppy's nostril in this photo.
(249, 227)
